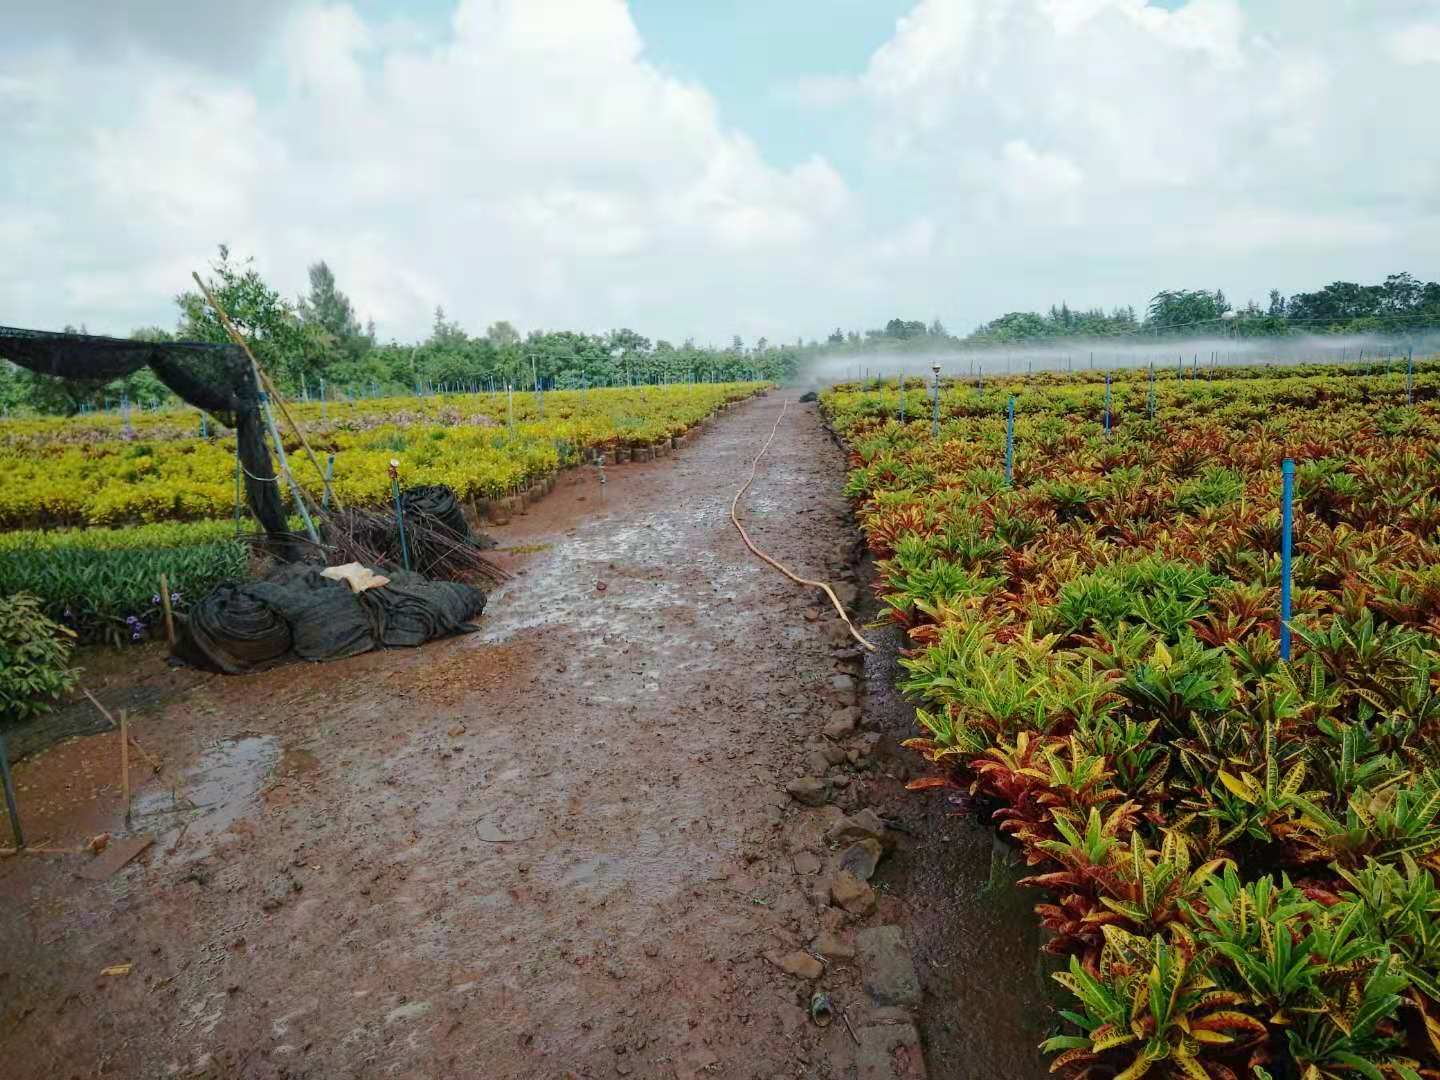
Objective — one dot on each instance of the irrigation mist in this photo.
(1102, 354)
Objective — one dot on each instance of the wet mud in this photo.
(551, 848)
(974, 935)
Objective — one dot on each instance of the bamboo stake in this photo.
(151, 758)
(263, 379)
(125, 764)
(165, 605)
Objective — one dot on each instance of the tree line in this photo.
(1397, 306)
(316, 343)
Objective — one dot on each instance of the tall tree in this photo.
(274, 329)
(501, 333)
(444, 332)
(328, 310)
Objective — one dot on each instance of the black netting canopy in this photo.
(216, 378)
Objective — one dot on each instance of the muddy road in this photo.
(549, 846)
(558, 847)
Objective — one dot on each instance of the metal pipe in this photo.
(399, 512)
(310, 529)
(1010, 444)
(1287, 528)
(935, 417)
(329, 475)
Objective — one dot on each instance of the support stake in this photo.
(329, 475)
(1010, 444)
(935, 418)
(169, 615)
(399, 512)
(1287, 528)
(125, 764)
(9, 785)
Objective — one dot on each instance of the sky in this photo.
(713, 167)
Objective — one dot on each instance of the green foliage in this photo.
(34, 652)
(270, 323)
(1240, 854)
(330, 319)
(111, 595)
(1163, 594)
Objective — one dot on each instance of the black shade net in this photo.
(298, 612)
(216, 378)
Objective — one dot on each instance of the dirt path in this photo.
(558, 847)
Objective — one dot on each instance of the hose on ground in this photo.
(735, 517)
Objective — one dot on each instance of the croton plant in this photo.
(1236, 852)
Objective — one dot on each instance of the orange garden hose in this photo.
(734, 516)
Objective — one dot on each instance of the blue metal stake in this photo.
(1152, 389)
(1107, 403)
(902, 397)
(935, 418)
(329, 475)
(1410, 376)
(1010, 443)
(1287, 526)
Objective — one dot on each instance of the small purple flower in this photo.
(155, 599)
(135, 636)
(174, 597)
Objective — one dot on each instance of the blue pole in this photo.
(329, 475)
(1010, 443)
(1410, 376)
(935, 419)
(902, 397)
(1107, 403)
(1152, 389)
(1287, 524)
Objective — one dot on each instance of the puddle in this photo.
(212, 794)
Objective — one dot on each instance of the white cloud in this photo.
(535, 160)
(1120, 144)
(1030, 176)
(529, 164)
(1417, 44)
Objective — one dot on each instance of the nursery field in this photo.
(150, 467)
(97, 506)
(1234, 853)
